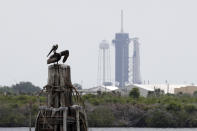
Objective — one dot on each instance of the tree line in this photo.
(20, 88)
(107, 109)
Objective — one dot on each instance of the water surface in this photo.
(113, 129)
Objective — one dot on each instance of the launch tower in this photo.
(121, 43)
(136, 78)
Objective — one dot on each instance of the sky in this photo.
(167, 31)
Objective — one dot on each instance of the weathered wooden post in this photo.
(60, 114)
(59, 82)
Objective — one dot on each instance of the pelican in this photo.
(57, 56)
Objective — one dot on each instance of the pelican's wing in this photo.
(65, 54)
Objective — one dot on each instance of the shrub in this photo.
(190, 108)
(88, 96)
(159, 118)
(173, 107)
(101, 116)
(134, 93)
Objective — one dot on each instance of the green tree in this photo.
(158, 92)
(25, 88)
(134, 93)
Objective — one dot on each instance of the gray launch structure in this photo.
(122, 63)
(136, 78)
(121, 43)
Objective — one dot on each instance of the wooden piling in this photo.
(60, 114)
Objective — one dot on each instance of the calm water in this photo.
(115, 129)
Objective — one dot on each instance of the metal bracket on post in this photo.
(77, 119)
(65, 119)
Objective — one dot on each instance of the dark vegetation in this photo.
(107, 109)
(157, 110)
(16, 102)
(21, 88)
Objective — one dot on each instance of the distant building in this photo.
(143, 91)
(186, 90)
(95, 90)
(167, 88)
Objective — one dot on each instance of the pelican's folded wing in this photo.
(65, 54)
